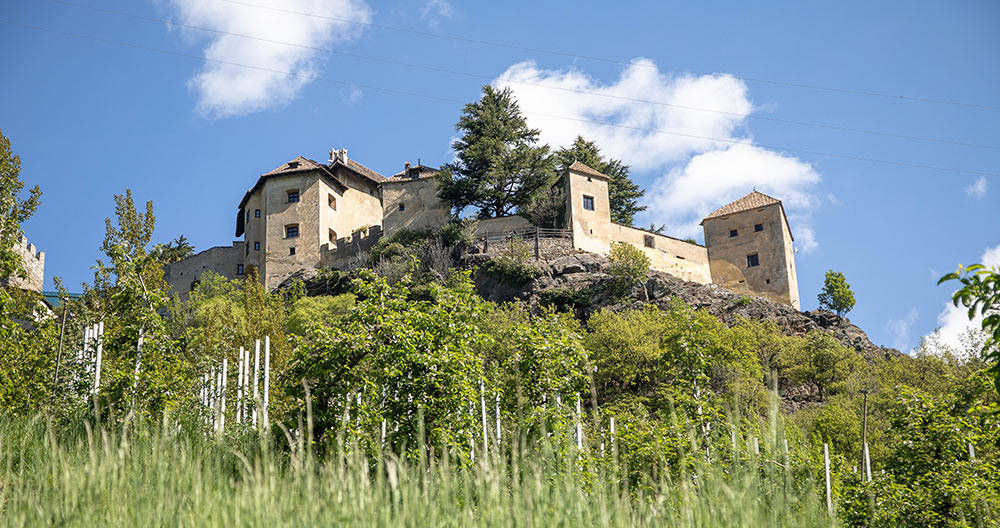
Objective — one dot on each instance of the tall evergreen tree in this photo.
(623, 193)
(499, 166)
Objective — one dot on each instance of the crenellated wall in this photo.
(33, 262)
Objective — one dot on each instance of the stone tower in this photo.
(750, 249)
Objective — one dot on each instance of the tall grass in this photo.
(173, 475)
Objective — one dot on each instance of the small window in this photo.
(248, 249)
(402, 207)
(331, 202)
(733, 233)
(589, 179)
(648, 241)
(588, 202)
(291, 231)
(768, 281)
(293, 196)
(256, 246)
(256, 213)
(758, 227)
(332, 236)
(248, 215)
(752, 260)
(239, 269)
(291, 251)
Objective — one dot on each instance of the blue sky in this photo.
(177, 116)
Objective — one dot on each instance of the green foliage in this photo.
(458, 231)
(822, 361)
(628, 266)
(13, 210)
(511, 265)
(742, 300)
(322, 311)
(173, 251)
(567, 299)
(980, 293)
(27, 358)
(623, 193)
(499, 166)
(836, 295)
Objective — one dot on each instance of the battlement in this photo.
(33, 262)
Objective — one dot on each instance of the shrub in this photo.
(510, 271)
(743, 300)
(628, 265)
(323, 310)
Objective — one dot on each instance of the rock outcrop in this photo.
(580, 279)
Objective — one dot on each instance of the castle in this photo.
(306, 214)
(33, 262)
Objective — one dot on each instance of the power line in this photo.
(541, 85)
(617, 61)
(452, 100)
(535, 84)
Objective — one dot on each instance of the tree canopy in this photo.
(13, 210)
(499, 166)
(836, 295)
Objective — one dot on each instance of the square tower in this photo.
(750, 249)
(588, 209)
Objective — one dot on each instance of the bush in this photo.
(323, 310)
(629, 265)
(510, 271)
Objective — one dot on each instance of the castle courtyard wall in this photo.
(421, 206)
(679, 258)
(222, 260)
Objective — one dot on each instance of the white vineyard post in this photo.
(756, 446)
(267, 375)
(383, 432)
(826, 469)
(498, 422)
(239, 388)
(256, 376)
(579, 427)
(972, 452)
(218, 399)
(225, 385)
(612, 434)
(868, 463)
(246, 383)
(97, 361)
(486, 427)
(212, 378)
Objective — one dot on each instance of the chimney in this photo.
(406, 166)
(338, 155)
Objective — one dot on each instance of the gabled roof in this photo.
(754, 200)
(423, 170)
(358, 169)
(299, 164)
(580, 167)
(751, 201)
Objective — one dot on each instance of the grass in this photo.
(173, 475)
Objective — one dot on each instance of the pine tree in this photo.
(623, 193)
(499, 167)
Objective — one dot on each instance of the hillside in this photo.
(579, 281)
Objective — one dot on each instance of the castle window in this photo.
(256, 246)
(291, 230)
(332, 237)
(758, 227)
(291, 250)
(402, 207)
(589, 179)
(248, 215)
(768, 281)
(256, 213)
(733, 233)
(588, 202)
(239, 269)
(248, 249)
(331, 201)
(648, 241)
(753, 260)
(293, 196)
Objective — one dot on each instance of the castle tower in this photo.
(750, 249)
(588, 209)
(33, 262)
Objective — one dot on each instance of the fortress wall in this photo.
(222, 260)
(350, 251)
(33, 262)
(501, 225)
(679, 258)
(421, 206)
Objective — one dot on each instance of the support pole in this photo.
(826, 469)
(256, 376)
(267, 375)
(62, 332)
(868, 462)
(97, 362)
(239, 388)
(486, 427)
(225, 385)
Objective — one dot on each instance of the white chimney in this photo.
(340, 155)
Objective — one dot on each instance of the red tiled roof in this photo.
(299, 164)
(359, 169)
(425, 172)
(580, 167)
(751, 201)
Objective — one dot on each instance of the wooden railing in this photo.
(528, 234)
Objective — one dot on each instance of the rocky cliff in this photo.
(579, 281)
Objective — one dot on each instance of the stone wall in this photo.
(412, 204)
(349, 252)
(184, 275)
(33, 262)
(681, 259)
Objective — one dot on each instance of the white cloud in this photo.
(899, 328)
(433, 11)
(978, 188)
(705, 161)
(226, 90)
(953, 322)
